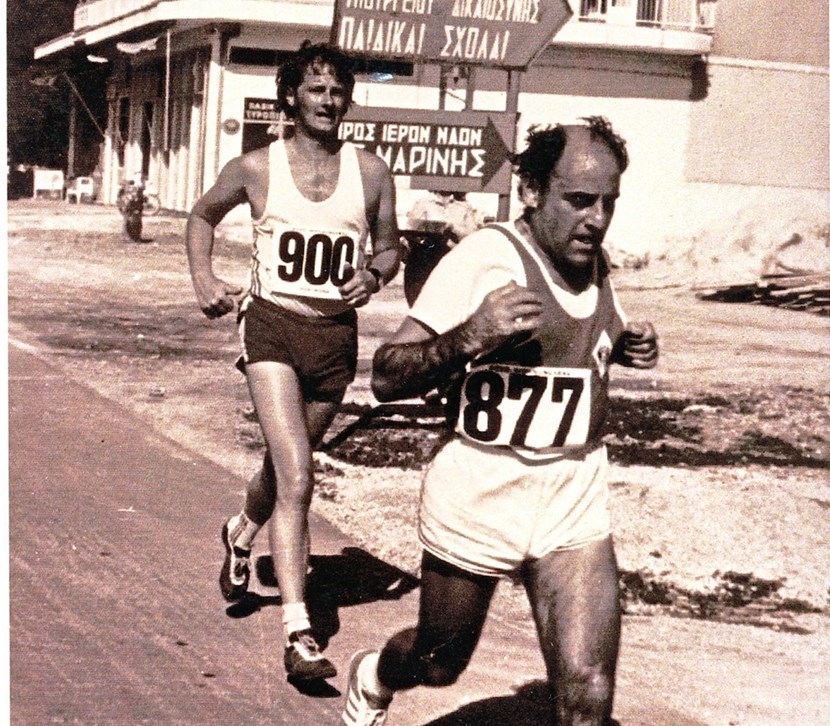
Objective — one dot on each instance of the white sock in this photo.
(367, 677)
(294, 618)
(242, 531)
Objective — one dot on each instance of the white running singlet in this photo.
(301, 247)
(544, 393)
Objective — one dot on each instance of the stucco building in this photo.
(723, 103)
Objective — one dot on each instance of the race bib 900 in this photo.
(534, 408)
(310, 263)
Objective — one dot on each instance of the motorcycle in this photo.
(134, 201)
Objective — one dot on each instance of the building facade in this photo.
(686, 82)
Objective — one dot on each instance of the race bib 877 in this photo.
(534, 408)
(310, 263)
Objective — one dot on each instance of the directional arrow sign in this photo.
(496, 33)
(453, 150)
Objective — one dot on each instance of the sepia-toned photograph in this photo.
(418, 362)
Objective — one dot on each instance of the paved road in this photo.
(115, 612)
(116, 615)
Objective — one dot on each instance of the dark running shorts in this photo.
(322, 351)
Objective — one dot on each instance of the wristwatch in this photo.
(378, 277)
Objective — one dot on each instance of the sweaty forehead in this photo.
(586, 158)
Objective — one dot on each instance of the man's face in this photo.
(321, 101)
(572, 217)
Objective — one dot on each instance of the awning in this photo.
(160, 15)
(82, 45)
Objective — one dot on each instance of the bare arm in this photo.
(215, 296)
(386, 238)
(383, 228)
(416, 360)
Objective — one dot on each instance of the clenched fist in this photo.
(503, 313)
(215, 296)
(638, 346)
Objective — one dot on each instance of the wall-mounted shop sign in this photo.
(261, 123)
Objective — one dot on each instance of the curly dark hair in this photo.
(292, 72)
(545, 145)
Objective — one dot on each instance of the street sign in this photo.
(504, 34)
(464, 151)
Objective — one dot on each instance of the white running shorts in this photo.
(488, 510)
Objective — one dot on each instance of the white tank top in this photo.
(300, 246)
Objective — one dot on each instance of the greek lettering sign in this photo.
(260, 123)
(497, 33)
(262, 110)
(464, 151)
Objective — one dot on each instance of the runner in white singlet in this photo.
(524, 317)
(314, 203)
(303, 248)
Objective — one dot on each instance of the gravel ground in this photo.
(719, 457)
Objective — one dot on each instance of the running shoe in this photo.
(361, 707)
(303, 659)
(236, 569)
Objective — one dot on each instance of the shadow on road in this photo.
(531, 705)
(353, 577)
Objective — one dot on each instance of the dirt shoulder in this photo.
(719, 457)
